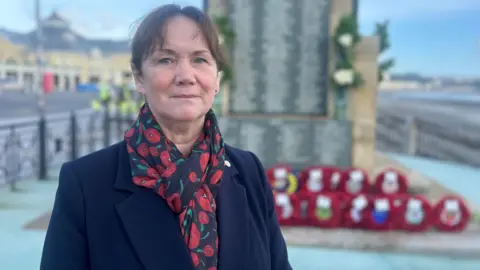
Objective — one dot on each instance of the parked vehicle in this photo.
(10, 84)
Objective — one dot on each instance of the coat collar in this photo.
(153, 228)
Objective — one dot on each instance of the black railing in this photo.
(36, 148)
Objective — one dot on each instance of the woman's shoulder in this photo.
(102, 164)
(106, 157)
(247, 164)
(242, 159)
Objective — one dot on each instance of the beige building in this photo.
(72, 59)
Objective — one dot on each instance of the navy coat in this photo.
(102, 221)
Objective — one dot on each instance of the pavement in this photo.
(20, 248)
(460, 179)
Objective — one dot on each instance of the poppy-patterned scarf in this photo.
(187, 183)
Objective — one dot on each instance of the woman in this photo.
(171, 195)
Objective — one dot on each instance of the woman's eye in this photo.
(200, 60)
(165, 61)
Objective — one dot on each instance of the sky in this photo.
(430, 37)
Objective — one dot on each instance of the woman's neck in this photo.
(182, 134)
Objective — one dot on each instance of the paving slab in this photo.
(432, 186)
(457, 245)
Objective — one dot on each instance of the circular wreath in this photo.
(226, 37)
(346, 37)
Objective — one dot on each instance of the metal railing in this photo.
(457, 142)
(33, 147)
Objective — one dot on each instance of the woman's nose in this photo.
(184, 73)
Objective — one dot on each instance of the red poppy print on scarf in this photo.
(186, 183)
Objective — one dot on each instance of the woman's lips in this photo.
(185, 97)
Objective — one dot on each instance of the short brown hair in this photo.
(149, 35)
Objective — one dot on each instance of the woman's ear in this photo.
(219, 80)
(138, 78)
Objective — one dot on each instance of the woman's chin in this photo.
(186, 114)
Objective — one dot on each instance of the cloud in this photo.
(374, 10)
(98, 24)
(107, 19)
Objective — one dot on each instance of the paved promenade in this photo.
(20, 248)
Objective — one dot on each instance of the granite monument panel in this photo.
(280, 59)
(299, 143)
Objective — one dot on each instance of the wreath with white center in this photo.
(345, 38)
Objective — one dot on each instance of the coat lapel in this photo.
(153, 229)
(232, 216)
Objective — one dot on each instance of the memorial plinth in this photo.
(279, 104)
(279, 96)
(297, 142)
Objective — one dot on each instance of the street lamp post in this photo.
(205, 6)
(39, 58)
(42, 126)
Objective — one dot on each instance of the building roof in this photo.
(55, 16)
(58, 36)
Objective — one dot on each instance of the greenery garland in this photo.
(476, 217)
(346, 37)
(227, 39)
(381, 30)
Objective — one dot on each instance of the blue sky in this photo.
(432, 37)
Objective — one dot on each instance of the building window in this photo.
(94, 79)
(126, 75)
(11, 61)
(28, 77)
(12, 75)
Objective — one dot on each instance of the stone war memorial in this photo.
(301, 95)
(280, 103)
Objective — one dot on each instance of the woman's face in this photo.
(180, 79)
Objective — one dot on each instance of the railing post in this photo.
(119, 119)
(13, 167)
(73, 136)
(106, 128)
(411, 146)
(42, 149)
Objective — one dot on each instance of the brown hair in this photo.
(149, 34)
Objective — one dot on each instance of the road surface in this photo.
(447, 114)
(18, 105)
